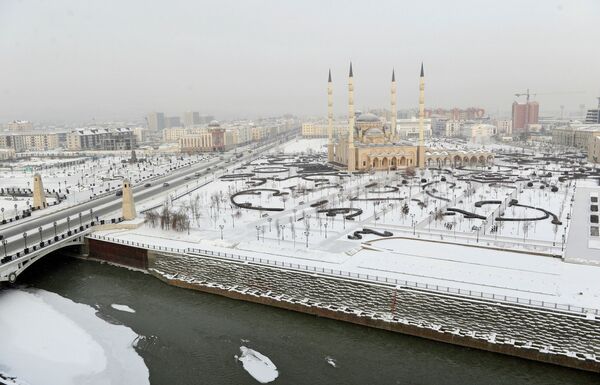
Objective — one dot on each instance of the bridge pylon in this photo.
(39, 196)
(128, 203)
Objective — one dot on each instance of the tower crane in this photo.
(528, 94)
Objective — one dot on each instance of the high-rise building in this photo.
(191, 118)
(524, 115)
(155, 121)
(172, 121)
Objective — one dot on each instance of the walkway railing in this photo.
(472, 294)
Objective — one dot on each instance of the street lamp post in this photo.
(282, 234)
(221, 227)
(325, 224)
(269, 220)
(41, 240)
(257, 232)
(306, 234)
(69, 225)
(4, 242)
(55, 235)
(2, 209)
(80, 223)
(25, 240)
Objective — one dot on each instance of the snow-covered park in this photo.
(489, 229)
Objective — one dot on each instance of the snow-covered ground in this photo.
(47, 339)
(431, 243)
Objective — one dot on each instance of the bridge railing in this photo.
(36, 246)
(440, 289)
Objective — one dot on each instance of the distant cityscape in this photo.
(196, 132)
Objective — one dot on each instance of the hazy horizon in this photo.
(71, 60)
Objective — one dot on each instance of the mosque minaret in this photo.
(394, 108)
(421, 160)
(351, 153)
(330, 119)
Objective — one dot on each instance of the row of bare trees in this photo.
(168, 218)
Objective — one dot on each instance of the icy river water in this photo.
(188, 337)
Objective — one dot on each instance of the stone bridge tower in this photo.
(128, 204)
(39, 196)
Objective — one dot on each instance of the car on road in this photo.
(119, 193)
(148, 185)
(187, 178)
(166, 184)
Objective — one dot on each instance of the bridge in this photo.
(27, 240)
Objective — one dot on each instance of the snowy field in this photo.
(429, 225)
(48, 339)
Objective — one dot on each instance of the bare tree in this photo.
(151, 218)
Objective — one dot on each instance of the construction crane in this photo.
(526, 123)
(528, 95)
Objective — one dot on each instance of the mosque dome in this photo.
(374, 132)
(368, 117)
(214, 123)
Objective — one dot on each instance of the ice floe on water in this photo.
(331, 361)
(259, 366)
(48, 339)
(122, 308)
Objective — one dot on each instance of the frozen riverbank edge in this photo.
(543, 336)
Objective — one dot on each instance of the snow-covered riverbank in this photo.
(48, 339)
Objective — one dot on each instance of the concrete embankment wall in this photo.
(552, 337)
(117, 253)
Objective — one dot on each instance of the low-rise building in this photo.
(7, 153)
(20, 125)
(320, 130)
(102, 139)
(481, 133)
(454, 128)
(32, 141)
(140, 134)
(575, 135)
(504, 126)
(409, 128)
(173, 134)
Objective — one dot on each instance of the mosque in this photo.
(371, 144)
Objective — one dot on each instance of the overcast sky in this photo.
(75, 59)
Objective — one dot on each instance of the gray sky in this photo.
(76, 59)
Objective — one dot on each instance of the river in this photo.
(190, 337)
